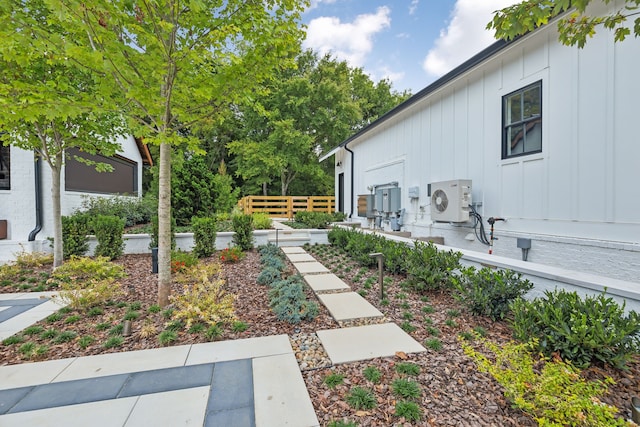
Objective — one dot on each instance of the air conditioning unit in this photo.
(450, 200)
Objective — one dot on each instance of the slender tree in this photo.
(49, 103)
(574, 28)
(178, 63)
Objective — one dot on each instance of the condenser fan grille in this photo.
(439, 200)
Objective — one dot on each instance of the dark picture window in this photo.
(5, 168)
(522, 121)
(81, 177)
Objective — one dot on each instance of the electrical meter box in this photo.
(365, 205)
(387, 199)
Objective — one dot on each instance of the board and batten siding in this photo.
(578, 199)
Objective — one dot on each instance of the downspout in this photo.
(38, 188)
(352, 175)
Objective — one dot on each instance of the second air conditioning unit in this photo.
(450, 200)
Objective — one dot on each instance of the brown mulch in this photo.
(453, 392)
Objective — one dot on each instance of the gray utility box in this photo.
(388, 199)
(365, 205)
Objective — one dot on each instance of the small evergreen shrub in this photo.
(313, 219)
(243, 228)
(261, 221)
(581, 330)
(273, 262)
(268, 275)
(204, 236)
(289, 303)
(75, 230)
(430, 269)
(88, 282)
(551, 391)
(339, 236)
(489, 292)
(108, 231)
(269, 250)
(205, 301)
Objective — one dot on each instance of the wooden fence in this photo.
(286, 206)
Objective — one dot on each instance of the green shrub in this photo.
(269, 250)
(339, 237)
(108, 231)
(430, 269)
(313, 219)
(75, 230)
(489, 292)
(273, 262)
(395, 255)
(133, 210)
(182, 261)
(243, 228)
(552, 392)
(581, 330)
(261, 221)
(204, 236)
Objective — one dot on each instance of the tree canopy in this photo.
(302, 113)
(49, 103)
(574, 29)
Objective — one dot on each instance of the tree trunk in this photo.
(56, 210)
(264, 189)
(164, 226)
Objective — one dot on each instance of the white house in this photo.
(25, 191)
(545, 133)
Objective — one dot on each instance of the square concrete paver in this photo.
(300, 258)
(310, 267)
(348, 305)
(325, 282)
(292, 250)
(367, 342)
(280, 395)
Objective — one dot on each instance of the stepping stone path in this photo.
(350, 344)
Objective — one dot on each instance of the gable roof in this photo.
(470, 63)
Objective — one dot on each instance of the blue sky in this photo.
(410, 42)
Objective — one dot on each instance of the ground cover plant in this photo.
(451, 388)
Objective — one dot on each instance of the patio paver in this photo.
(300, 258)
(367, 342)
(348, 305)
(310, 267)
(325, 283)
(292, 250)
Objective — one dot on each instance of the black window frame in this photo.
(5, 166)
(523, 122)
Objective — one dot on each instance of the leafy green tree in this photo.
(48, 103)
(574, 28)
(192, 190)
(180, 63)
(303, 112)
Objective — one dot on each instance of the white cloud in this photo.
(348, 41)
(393, 76)
(316, 3)
(465, 36)
(413, 6)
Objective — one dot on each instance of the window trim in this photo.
(115, 159)
(505, 127)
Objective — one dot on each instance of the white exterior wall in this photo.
(578, 200)
(17, 205)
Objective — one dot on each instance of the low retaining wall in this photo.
(139, 243)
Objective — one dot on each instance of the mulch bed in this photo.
(453, 392)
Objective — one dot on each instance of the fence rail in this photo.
(286, 206)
